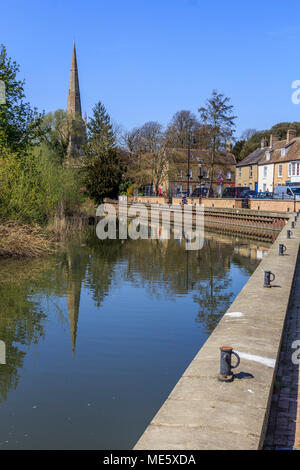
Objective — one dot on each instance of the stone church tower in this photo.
(78, 134)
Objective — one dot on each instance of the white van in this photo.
(287, 192)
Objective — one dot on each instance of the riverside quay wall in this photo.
(204, 413)
(254, 223)
(270, 205)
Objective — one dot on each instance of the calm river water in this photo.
(98, 335)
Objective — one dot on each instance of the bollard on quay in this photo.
(267, 278)
(293, 224)
(282, 249)
(226, 374)
(288, 234)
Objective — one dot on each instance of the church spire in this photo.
(74, 104)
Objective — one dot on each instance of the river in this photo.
(98, 334)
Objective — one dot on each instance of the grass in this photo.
(18, 239)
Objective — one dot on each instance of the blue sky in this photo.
(145, 59)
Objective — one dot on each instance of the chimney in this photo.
(264, 142)
(291, 134)
(228, 146)
(273, 138)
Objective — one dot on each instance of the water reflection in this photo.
(86, 271)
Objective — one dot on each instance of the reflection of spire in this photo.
(73, 298)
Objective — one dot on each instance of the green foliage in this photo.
(102, 173)
(34, 186)
(55, 132)
(100, 129)
(102, 163)
(19, 124)
(237, 148)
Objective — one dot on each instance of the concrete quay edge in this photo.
(203, 413)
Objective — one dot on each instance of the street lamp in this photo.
(189, 158)
(200, 161)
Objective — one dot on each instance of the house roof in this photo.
(292, 152)
(253, 158)
(222, 157)
(259, 156)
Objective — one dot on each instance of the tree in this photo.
(100, 128)
(183, 125)
(19, 124)
(102, 172)
(248, 133)
(219, 121)
(56, 129)
(102, 162)
(149, 160)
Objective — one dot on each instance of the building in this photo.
(200, 170)
(280, 164)
(77, 137)
(246, 173)
(270, 165)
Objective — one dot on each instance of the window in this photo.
(228, 175)
(250, 172)
(283, 152)
(240, 172)
(250, 185)
(264, 187)
(294, 169)
(279, 171)
(265, 171)
(180, 173)
(267, 155)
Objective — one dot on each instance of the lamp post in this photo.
(200, 176)
(189, 160)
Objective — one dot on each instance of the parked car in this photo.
(181, 193)
(251, 194)
(287, 192)
(236, 192)
(202, 192)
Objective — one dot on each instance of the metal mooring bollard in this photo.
(296, 218)
(282, 249)
(226, 374)
(288, 234)
(267, 278)
(293, 224)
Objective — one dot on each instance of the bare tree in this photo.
(219, 121)
(183, 126)
(149, 162)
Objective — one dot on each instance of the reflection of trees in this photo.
(21, 321)
(213, 294)
(28, 289)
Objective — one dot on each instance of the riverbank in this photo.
(19, 240)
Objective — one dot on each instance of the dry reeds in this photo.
(18, 239)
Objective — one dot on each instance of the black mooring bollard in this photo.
(288, 234)
(267, 278)
(282, 249)
(295, 218)
(293, 224)
(226, 374)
